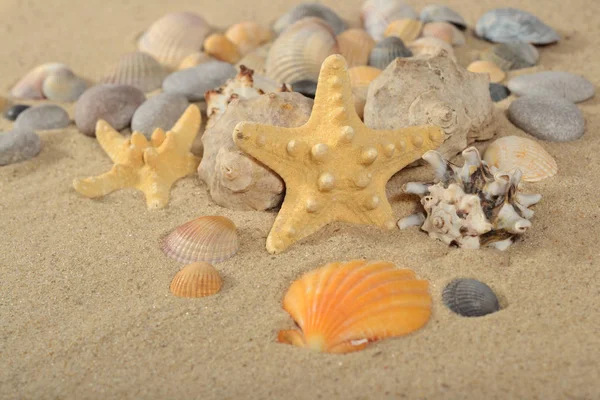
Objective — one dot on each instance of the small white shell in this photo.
(511, 152)
(63, 85)
(136, 69)
(30, 86)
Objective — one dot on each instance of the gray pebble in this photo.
(503, 25)
(113, 103)
(17, 146)
(498, 92)
(160, 111)
(43, 117)
(553, 83)
(194, 82)
(549, 118)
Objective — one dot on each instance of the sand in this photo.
(85, 310)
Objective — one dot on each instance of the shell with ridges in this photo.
(355, 45)
(376, 15)
(528, 155)
(439, 13)
(30, 86)
(405, 29)
(247, 36)
(256, 60)
(171, 38)
(199, 279)
(444, 31)
(470, 298)
(221, 48)
(136, 69)
(487, 67)
(208, 238)
(341, 307)
(308, 10)
(504, 25)
(387, 51)
(300, 50)
(512, 55)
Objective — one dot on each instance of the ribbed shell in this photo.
(307, 10)
(405, 29)
(439, 13)
(343, 306)
(30, 86)
(376, 15)
(487, 67)
(136, 69)
(198, 279)
(209, 238)
(387, 51)
(248, 35)
(171, 38)
(470, 298)
(300, 50)
(513, 55)
(355, 45)
(444, 31)
(529, 156)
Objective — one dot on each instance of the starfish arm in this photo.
(113, 143)
(139, 141)
(372, 208)
(278, 148)
(117, 178)
(157, 194)
(158, 137)
(186, 128)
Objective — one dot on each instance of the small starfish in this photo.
(151, 167)
(335, 168)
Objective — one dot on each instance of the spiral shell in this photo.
(376, 15)
(221, 48)
(355, 45)
(298, 52)
(247, 36)
(341, 307)
(198, 279)
(405, 29)
(210, 239)
(136, 69)
(529, 156)
(171, 38)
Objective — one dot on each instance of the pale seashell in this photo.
(30, 86)
(247, 36)
(529, 156)
(171, 38)
(405, 29)
(307, 10)
(360, 79)
(444, 31)
(432, 90)
(470, 298)
(341, 307)
(512, 55)
(64, 86)
(221, 48)
(376, 15)
(209, 238)
(355, 45)
(199, 279)
(430, 46)
(195, 59)
(256, 60)
(504, 25)
(299, 51)
(136, 69)
(387, 51)
(439, 13)
(487, 67)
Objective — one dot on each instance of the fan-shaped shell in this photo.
(171, 38)
(487, 67)
(30, 86)
(208, 238)
(221, 48)
(355, 45)
(136, 69)
(199, 279)
(439, 13)
(508, 24)
(513, 55)
(405, 29)
(247, 36)
(341, 307)
(444, 31)
(298, 52)
(470, 298)
(376, 15)
(529, 156)
(387, 51)
(307, 10)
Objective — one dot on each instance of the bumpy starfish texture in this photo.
(151, 167)
(335, 168)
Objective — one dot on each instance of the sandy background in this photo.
(85, 310)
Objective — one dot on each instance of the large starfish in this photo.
(335, 168)
(151, 167)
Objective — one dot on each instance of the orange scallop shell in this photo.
(341, 307)
(198, 279)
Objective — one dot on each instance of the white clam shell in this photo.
(30, 86)
(136, 69)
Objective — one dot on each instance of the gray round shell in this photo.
(387, 51)
(470, 298)
(508, 24)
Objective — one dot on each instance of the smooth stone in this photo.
(509, 24)
(194, 82)
(305, 87)
(161, 111)
(439, 13)
(553, 83)
(13, 112)
(17, 146)
(113, 103)
(43, 117)
(551, 118)
(498, 92)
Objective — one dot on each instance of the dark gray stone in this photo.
(553, 83)
(43, 117)
(194, 82)
(17, 146)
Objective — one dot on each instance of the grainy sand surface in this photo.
(85, 310)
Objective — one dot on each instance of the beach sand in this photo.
(85, 307)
